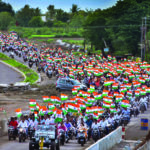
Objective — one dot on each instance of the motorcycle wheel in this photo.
(58, 146)
(53, 145)
(82, 143)
(30, 146)
(62, 142)
(19, 139)
(14, 138)
(9, 138)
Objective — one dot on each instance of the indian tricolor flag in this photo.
(35, 114)
(32, 102)
(88, 110)
(105, 93)
(74, 91)
(107, 83)
(58, 115)
(18, 112)
(31, 108)
(148, 90)
(46, 98)
(82, 105)
(51, 106)
(128, 86)
(126, 80)
(129, 93)
(92, 87)
(115, 86)
(137, 93)
(37, 106)
(73, 107)
(143, 92)
(64, 97)
(125, 104)
(106, 105)
(90, 99)
(107, 99)
(119, 98)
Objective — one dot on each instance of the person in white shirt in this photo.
(47, 121)
(95, 125)
(23, 124)
(104, 123)
(144, 101)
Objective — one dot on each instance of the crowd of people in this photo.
(116, 89)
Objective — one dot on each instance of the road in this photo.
(15, 145)
(45, 80)
(8, 75)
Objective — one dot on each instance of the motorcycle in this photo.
(81, 137)
(62, 136)
(22, 134)
(11, 133)
(31, 132)
(11, 56)
(70, 133)
(102, 132)
(95, 134)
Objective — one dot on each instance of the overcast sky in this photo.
(63, 4)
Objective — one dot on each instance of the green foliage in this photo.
(42, 36)
(59, 24)
(31, 76)
(78, 53)
(77, 42)
(5, 20)
(6, 7)
(36, 21)
(24, 15)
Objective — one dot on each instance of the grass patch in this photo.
(31, 76)
(77, 42)
(42, 36)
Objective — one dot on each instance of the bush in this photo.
(36, 21)
(5, 20)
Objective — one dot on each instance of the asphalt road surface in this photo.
(15, 145)
(8, 75)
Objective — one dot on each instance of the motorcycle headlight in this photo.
(51, 136)
(21, 130)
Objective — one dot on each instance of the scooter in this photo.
(31, 131)
(62, 136)
(95, 134)
(22, 134)
(11, 133)
(81, 137)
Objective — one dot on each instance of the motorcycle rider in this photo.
(104, 123)
(95, 125)
(23, 124)
(42, 120)
(14, 123)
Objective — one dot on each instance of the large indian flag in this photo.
(32, 102)
(46, 98)
(18, 112)
(64, 97)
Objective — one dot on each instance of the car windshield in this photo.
(46, 127)
(76, 82)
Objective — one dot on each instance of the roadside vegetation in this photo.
(31, 76)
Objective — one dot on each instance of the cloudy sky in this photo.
(63, 4)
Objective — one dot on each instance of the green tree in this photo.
(92, 30)
(5, 20)
(62, 16)
(74, 9)
(24, 15)
(6, 8)
(51, 12)
(36, 21)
